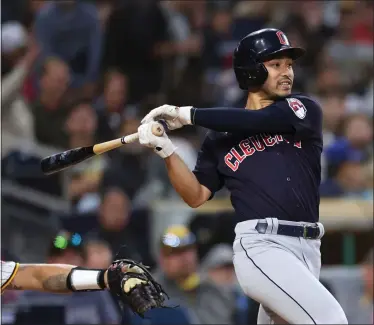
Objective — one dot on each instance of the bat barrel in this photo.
(63, 160)
(66, 159)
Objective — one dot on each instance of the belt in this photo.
(306, 231)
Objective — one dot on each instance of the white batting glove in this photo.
(175, 117)
(161, 145)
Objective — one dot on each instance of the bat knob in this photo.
(158, 128)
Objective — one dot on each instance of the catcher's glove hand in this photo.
(135, 286)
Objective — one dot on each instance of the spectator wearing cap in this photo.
(346, 158)
(179, 274)
(218, 268)
(348, 178)
(14, 43)
(12, 10)
(19, 53)
(71, 30)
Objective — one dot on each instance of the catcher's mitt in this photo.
(135, 286)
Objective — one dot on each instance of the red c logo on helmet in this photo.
(282, 38)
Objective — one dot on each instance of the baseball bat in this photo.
(63, 160)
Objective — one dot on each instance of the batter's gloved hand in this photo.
(175, 117)
(161, 145)
(134, 286)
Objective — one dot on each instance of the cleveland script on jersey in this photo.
(270, 160)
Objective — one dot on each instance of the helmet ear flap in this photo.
(253, 74)
(251, 77)
(243, 77)
(262, 73)
(259, 73)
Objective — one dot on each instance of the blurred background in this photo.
(78, 72)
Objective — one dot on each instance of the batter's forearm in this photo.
(236, 120)
(184, 181)
(42, 277)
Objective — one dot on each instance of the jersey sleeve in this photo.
(8, 272)
(296, 114)
(304, 114)
(206, 168)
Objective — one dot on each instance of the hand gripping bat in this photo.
(63, 160)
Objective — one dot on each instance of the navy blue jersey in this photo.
(269, 174)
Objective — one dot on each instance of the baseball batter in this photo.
(268, 156)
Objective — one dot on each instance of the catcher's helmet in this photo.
(254, 49)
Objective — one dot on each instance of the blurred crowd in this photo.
(75, 73)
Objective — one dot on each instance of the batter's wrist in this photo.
(192, 115)
(185, 115)
(166, 150)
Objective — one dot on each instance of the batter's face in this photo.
(280, 77)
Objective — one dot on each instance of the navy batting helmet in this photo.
(256, 48)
